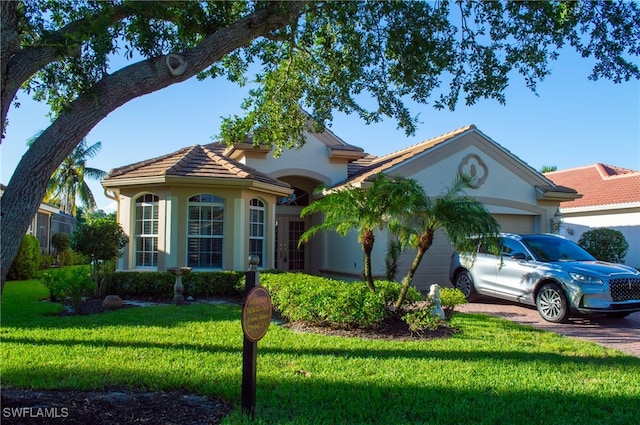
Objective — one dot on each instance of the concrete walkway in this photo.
(621, 334)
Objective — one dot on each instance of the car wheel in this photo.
(464, 283)
(618, 315)
(552, 304)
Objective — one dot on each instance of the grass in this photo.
(492, 372)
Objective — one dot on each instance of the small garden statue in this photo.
(434, 296)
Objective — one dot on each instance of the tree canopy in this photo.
(304, 57)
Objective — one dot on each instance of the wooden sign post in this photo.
(256, 317)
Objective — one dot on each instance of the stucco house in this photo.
(210, 207)
(611, 198)
(48, 221)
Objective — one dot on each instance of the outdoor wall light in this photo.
(556, 221)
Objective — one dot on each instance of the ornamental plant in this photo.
(101, 240)
(62, 243)
(605, 244)
(450, 298)
(27, 261)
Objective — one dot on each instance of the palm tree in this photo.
(68, 181)
(364, 209)
(459, 215)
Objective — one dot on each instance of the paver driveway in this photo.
(621, 334)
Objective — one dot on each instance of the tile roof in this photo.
(193, 161)
(368, 166)
(599, 184)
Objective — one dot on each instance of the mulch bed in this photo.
(392, 328)
(110, 407)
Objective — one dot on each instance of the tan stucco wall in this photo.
(172, 219)
(508, 192)
(312, 161)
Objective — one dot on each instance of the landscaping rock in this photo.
(112, 302)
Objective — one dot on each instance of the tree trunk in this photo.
(10, 45)
(426, 240)
(28, 183)
(367, 246)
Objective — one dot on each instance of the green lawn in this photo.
(492, 372)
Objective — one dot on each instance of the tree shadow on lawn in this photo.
(381, 350)
(309, 400)
(164, 315)
(304, 398)
(296, 398)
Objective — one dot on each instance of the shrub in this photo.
(160, 284)
(73, 258)
(51, 280)
(450, 298)
(101, 240)
(141, 284)
(70, 282)
(322, 301)
(214, 284)
(62, 243)
(605, 244)
(75, 283)
(390, 290)
(45, 262)
(420, 317)
(27, 261)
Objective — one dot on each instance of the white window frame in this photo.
(207, 228)
(146, 231)
(257, 226)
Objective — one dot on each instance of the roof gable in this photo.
(369, 166)
(599, 184)
(337, 147)
(198, 161)
(366, 168)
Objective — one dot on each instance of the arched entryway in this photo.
(289, 226)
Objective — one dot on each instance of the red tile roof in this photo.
(599, 184)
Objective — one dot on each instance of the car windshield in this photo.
(549, 249)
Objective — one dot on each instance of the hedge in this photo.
(160, 284)
(322, 301)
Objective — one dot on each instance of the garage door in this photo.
(434, 267)
(511, 223)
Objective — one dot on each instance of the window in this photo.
(296, 253)
(256, 229)
(511, 247)
(146, 231)
(205, 235)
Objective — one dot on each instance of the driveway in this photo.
(621, 334)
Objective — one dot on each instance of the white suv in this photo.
(550, 272)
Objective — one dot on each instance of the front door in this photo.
(289, 256)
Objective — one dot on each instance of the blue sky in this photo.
(571, 123)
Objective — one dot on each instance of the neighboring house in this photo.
(209, 207)
(611, 198)
(48, 221)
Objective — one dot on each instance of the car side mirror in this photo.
(519, 256)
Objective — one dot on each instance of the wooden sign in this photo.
(256, 313)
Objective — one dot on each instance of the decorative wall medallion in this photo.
(475, 167)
